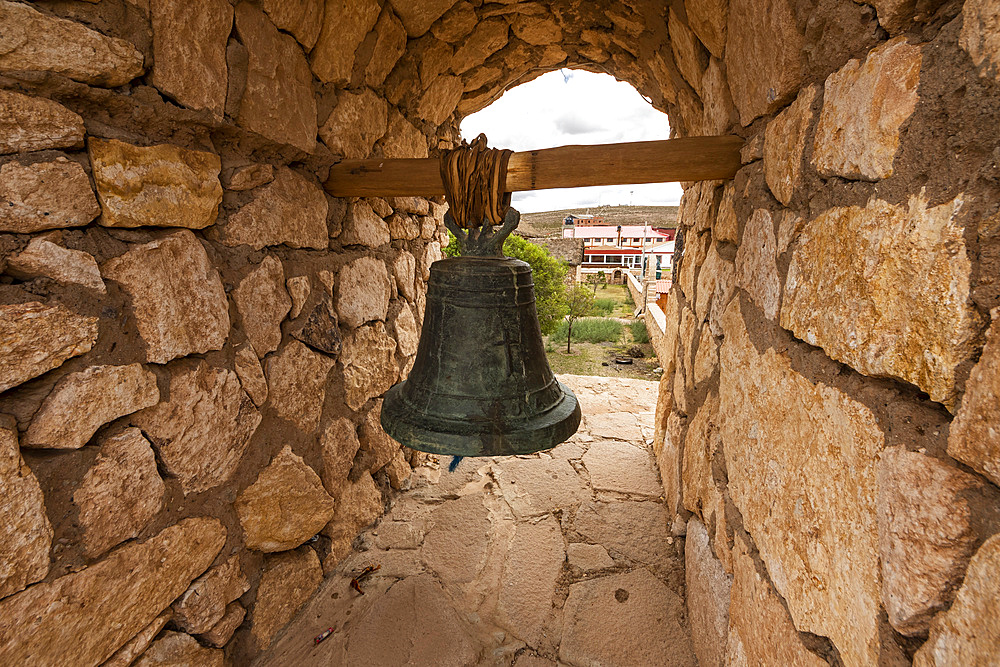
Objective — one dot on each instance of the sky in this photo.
(568, 107)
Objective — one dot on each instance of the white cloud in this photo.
(574, 107)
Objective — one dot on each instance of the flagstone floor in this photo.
(562, 557)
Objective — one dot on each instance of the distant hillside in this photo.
(549, 223)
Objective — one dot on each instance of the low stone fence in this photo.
(634, 288)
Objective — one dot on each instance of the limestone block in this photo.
(263, 303)
(487, 38)
(189, 52)
(402, 139)
(399, 472)
(404, 270)
(205, 602)
(223, 631)
(720, 115)
(538, 31)
(35, 338)
(979, 37)
(161, 186)
(689, 54)
(727, 226)
(136, 646)
(278, 101)
(974, 439)
(390, 44)
(25, 531)
(120, 494)
(418, 17)
(36, 124)
(290, 210)
(968, 633)
(707, 18)
(50, 44)
(790, 226)
(702, 443)
(203, 428)
(613, 467)
(285, 506)
(440, 100)
(82, 402)
(44, 258)
(250, 177)
(531, 571)
(669, 461)
(355, 124)
(345, 25)
(456, 23)
(45, 195)
(802, 460)
(321, 330)
(405, 331)
(338, 445)
(247, 367)
(599, 628)
(177, 648)
(302, 18)
(907, 318)
(363, 227)
(359, 505)
(177, 296)
(296, 377)
(435, 60)
(118, 607)
(382, 447)
(760, 629)
(764, 56)
(707, 587)
(288, 581)
(706, 358)
(864, 106)
(716, 285)
(369, 364)
(363, 291)
(785, 144)
(926, 537)
(753, 149)
(299, 289)
(756, 263)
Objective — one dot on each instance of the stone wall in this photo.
(195, 336)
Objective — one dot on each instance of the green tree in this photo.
(548, 274)
(579, 302)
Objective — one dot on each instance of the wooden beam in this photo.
(687, 159)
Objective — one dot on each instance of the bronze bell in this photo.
(480, 383)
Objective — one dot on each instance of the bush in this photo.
(639, 332)
(590, 330)
(604, 307)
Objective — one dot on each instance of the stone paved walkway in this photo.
(560, 558)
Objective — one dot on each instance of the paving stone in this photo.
(44, 258)
(203, 428)
(82, 402)
(278, 101)
(159, 186)
(25, 531)
(636, 529)
(51, 44)
(285, 506)
(621, 467)
(537, 486)
(45, 195)
(399, 535)
(119, 607)
(263, 303)
(177, 296)
(527, 587)
(614, 425)
(120, 494)
(36, 124)
(456, 544)
(588, 557)
(290, 211)
(625, 619)
(189, 51)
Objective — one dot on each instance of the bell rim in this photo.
(548, 429)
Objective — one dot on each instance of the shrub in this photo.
(639, 332)
(604, 307)
(590, 330)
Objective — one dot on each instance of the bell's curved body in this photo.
(480, 384)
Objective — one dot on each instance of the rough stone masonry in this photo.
(195, 337)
